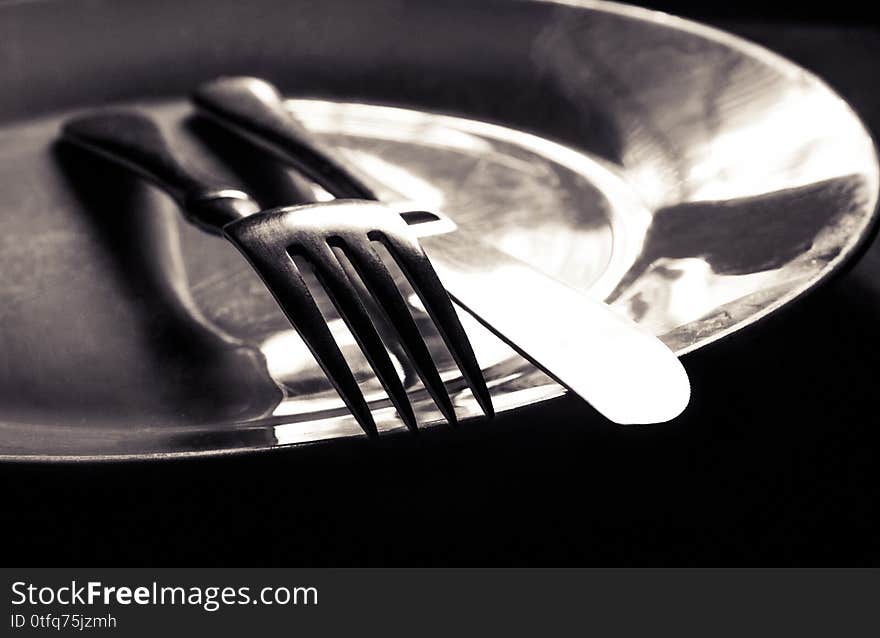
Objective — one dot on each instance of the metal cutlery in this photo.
(624, 372)
(270, 240)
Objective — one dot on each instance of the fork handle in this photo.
(255, 110)
(134, 140)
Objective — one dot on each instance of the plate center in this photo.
(124, 322)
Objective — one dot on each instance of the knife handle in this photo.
(134, 140)
(254, 109)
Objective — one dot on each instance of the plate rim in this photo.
(850, 255)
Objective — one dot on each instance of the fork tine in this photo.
(417, 268)
(381, 285)
(352, 310)
(283, 279)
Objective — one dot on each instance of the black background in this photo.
(772, 464)
(840, 12)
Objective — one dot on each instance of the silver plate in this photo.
(696, 182)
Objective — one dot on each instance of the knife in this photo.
(626, 373)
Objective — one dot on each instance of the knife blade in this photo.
(626, 373)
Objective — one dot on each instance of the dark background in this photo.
(772, 464)
(790, 11)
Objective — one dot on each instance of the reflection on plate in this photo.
(696, 183)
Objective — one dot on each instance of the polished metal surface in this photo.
(272, 240)
(624, 372)
(693, 181)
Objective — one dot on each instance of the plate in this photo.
(692, 180)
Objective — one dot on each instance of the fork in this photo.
(271, 239)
